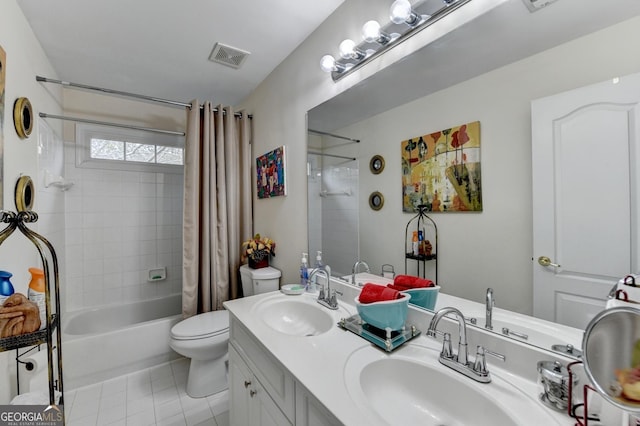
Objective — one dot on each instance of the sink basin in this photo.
(412, 387)
(295, 316)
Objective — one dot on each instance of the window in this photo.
(125, 149)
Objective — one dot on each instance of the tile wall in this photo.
(120, 224)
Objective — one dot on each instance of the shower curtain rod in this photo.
(126, 94)
(331, 155)
(105, 123)
(318, 132)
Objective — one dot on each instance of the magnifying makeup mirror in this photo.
(611, 355)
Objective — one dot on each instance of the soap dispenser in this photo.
(304, 272)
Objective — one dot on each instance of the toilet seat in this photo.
(202, 326)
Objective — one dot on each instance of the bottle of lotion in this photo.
(6, 288)
(36, 293)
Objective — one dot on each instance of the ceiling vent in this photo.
(534, 5)
(227, 55)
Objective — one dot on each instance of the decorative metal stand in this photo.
(46, 251)
(421, 222)
(384, 339)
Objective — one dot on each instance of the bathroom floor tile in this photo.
(151, 397)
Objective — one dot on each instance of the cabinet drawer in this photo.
(272, 375)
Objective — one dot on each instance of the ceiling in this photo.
(161, 48)
(505, 34)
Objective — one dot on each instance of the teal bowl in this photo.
(389, 314)
(424, 297)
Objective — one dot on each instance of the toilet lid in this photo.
(202, 325)
(267, 273)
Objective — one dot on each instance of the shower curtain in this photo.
(217, 205)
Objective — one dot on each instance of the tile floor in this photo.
(152, 397)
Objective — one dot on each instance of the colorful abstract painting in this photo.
(270, 174)
(3, 73)
(441, 170)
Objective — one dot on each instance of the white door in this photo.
(585, 146)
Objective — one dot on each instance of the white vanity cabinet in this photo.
(250, 403)
(261, 389)
(309, 412)
(263, 392)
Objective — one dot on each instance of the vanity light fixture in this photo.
(328, 64)
(401, 12)
(372, 32)
(405, 21)
(349, 50)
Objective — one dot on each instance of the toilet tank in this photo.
(258, 281)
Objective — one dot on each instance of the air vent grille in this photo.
(534, 5)
(227, 55)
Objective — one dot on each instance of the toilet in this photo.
(205, 337)
(258, 281)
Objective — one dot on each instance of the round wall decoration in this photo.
(25, 193)
(376, 200)
(376, 165)
(23, 117)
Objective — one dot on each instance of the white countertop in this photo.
(318, 362)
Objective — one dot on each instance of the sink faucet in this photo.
(328, 299)
(489, 302)
(459, 362)
(355, 269)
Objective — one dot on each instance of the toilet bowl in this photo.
(203, 338)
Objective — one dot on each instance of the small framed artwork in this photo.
(270, 173)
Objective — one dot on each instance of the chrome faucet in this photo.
(327, 299)
(460, 362)
(490, 303)
(355, 269)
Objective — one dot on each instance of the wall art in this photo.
(270, 173)
(441, 170)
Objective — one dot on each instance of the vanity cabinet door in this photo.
(309, 412)
(250, 403)
(272, 375)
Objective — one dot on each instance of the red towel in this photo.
(407, 282)
(377, 293)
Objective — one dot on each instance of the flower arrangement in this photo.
(258, 249)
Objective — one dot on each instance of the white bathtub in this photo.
(98, 344)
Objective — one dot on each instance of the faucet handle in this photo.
(480, 364)
(447, 352)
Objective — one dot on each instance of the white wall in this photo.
(25, 60)
(473, 249)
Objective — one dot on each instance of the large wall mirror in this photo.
(489, 70)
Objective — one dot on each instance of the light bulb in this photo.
(347, 49)
(328, 63)
(371, 31)
(400, 11)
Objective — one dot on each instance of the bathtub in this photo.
(98, 344)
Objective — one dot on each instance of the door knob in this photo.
(545, 261)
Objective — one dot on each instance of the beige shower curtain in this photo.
(217, 206)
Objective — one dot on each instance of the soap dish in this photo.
(292, 289)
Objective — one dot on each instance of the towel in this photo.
(18, 315)
(377, 293)
(407, 282)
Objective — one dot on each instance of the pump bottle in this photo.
(36, 293)
(304, 272)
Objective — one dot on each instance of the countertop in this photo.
(318, 362)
